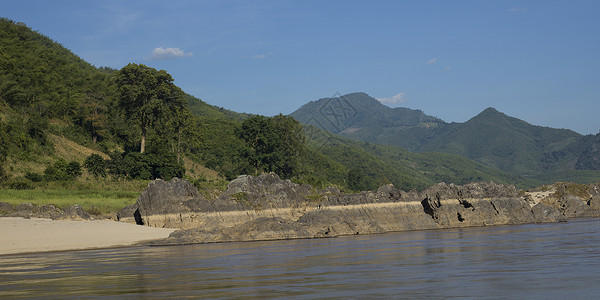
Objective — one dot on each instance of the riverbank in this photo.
(19, 235)
(269, 208)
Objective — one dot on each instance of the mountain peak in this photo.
(489, 113)
(490, 110)
(360, 114)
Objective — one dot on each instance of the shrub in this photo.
(62, 171)
(135, 165)
(20, 184)
(35, 177)
(73, 170)
(95, 165)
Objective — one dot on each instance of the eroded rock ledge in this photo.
(268, 208)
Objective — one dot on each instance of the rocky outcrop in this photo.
(476, 204)
(266, 207)
(75, 212)
(48, 211)
(573, 200)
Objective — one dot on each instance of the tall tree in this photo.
(276, 144)
(95, 119)
(147, 96)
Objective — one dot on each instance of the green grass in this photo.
(93, 201)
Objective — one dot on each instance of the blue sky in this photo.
(534, 60)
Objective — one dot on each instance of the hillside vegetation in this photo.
(67, 124)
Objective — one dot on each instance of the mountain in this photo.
(361, 117)
(501, 141)
(491, 138)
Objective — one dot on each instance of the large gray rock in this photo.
(479, 190)
(594, 203)
(571, 206)
(162, 197)
(75, 212)
(544, 214)
(574, 207)
(475, 204)
(259, 229)
(5, 208)
(28, 210)
(49, 211)
(263, 192)
(127, 213)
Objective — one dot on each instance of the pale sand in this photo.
(18, 235)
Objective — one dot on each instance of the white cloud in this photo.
(517, 10)
(262, 55)
(432, 61)
(448, 68)
(398, 98)
(169, 53)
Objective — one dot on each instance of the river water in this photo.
(539, 261)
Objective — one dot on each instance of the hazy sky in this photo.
(535, 60)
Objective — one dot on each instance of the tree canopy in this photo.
(275, 144)
(148, 97)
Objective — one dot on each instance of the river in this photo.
(539, 261)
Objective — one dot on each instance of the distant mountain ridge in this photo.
(361, 117)
(491, 138)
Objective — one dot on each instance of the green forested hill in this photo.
(60, 116)
(203, 109)
(490, 138)
(379, 164)
(359, 116)
(500, 141)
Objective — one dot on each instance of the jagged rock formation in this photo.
(266, 208)
(49, 211)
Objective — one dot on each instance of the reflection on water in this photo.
(526, 261)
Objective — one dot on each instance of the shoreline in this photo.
(38, 235)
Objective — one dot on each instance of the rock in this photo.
(259, 229)
(264, 228)
(263, 192)
(594, 203)
(388, 193)
(48, 211)
(330, 223)
(487, 190)
(573, 207)
(5, 208)
(75, 212)
(441, 191)
(570, 206)
(176, 196)
(127, 213)
(543, 214)
(28, 210)
(162, 197)
(477, 212)
(23, 210)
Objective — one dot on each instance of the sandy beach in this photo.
(18, 235)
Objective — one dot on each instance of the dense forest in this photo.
(134, 123)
